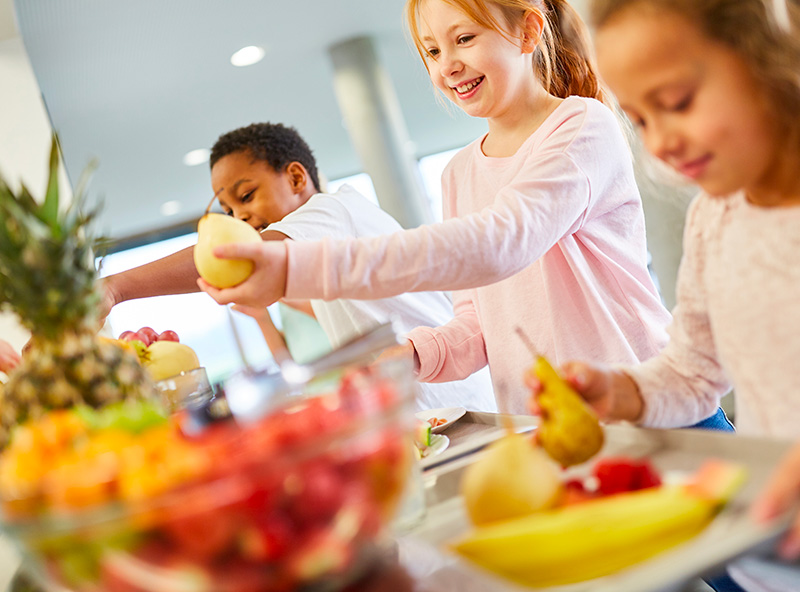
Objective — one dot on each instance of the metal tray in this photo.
(729, 536)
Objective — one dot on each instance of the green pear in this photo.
(569, 431)
(214, 230)
(512, 478)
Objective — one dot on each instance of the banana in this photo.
(599, 537)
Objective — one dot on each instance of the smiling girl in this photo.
(544, 225)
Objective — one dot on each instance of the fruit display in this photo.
(124, 500)
(161, 354)
(626, 517)
(214, 230)
(47, 265)
(569, 430)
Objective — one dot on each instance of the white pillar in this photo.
(375, 123)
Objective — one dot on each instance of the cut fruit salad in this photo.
(122, 500)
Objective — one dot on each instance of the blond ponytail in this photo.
(565, 59)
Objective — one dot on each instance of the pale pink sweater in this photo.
(737, 321)
(551, 239)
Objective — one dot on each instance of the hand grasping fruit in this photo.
(570, 431)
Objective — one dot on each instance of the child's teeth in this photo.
(468, 86)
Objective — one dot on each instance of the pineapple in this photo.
(47, 277)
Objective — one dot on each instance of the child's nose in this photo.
(662, 141)
(449, 65)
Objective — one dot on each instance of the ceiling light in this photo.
(170, 208)
(247, 56)
(196, 157)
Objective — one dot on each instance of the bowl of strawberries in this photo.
(126, 499)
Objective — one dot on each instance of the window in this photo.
(201, 323)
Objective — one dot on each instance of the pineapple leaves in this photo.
(49, 211)
(47, 270)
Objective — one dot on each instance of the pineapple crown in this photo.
(47, 272)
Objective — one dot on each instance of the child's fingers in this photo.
(221, 296)
(779, 496)
(238, 250)
(583, 378)
(535, 386)
(782, 489)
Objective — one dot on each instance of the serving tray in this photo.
(672, 452)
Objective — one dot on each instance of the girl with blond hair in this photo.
(544, 226)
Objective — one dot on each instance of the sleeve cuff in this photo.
(428, 352)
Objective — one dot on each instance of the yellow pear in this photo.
(169, 358)
(214, 230)
(512, 478)
(569, 431)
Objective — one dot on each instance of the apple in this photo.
(168, 336)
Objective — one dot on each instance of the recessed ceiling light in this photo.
(170, 208)
(196, 157)
(247, 56)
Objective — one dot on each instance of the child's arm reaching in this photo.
(274, 338)
(526, 220)
(452, 351)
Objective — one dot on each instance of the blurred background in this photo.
(146, 87)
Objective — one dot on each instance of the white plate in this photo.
(451, 414)
(438, 445)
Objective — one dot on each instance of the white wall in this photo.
(24, 142)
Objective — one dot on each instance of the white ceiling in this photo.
(139, 84)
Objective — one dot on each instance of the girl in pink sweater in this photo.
(544, 225)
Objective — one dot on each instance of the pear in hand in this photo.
(569, 431)
(218, 229)
(512, 478)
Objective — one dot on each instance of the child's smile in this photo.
(468, 89)
(695, 101)
(484, 72)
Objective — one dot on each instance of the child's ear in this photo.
(298, 176)
(532, 27)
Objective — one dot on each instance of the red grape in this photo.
(168, 336)
(143, 337)
(149, 333)
(126, 336)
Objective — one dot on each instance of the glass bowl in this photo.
(295, 499)
(190, 387)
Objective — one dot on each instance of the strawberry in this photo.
(646, 475)
(614, 475)
(620, 474)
